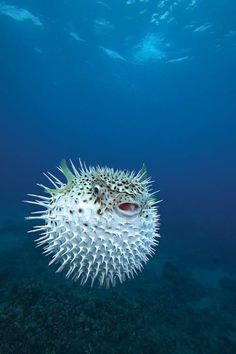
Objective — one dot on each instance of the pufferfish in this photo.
(99, 226)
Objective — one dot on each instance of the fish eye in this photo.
(97, 190)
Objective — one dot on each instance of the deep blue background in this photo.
(66, 98)
(60, 98)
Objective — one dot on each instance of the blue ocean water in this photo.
(119, 83)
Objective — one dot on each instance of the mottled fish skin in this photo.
(100, 226)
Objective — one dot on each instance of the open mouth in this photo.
(128, 208)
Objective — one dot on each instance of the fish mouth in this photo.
(128, 209)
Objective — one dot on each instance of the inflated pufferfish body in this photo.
(101, 225)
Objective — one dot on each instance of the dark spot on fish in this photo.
(80, 210)
(85, 224)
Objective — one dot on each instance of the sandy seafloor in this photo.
(184, 302)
